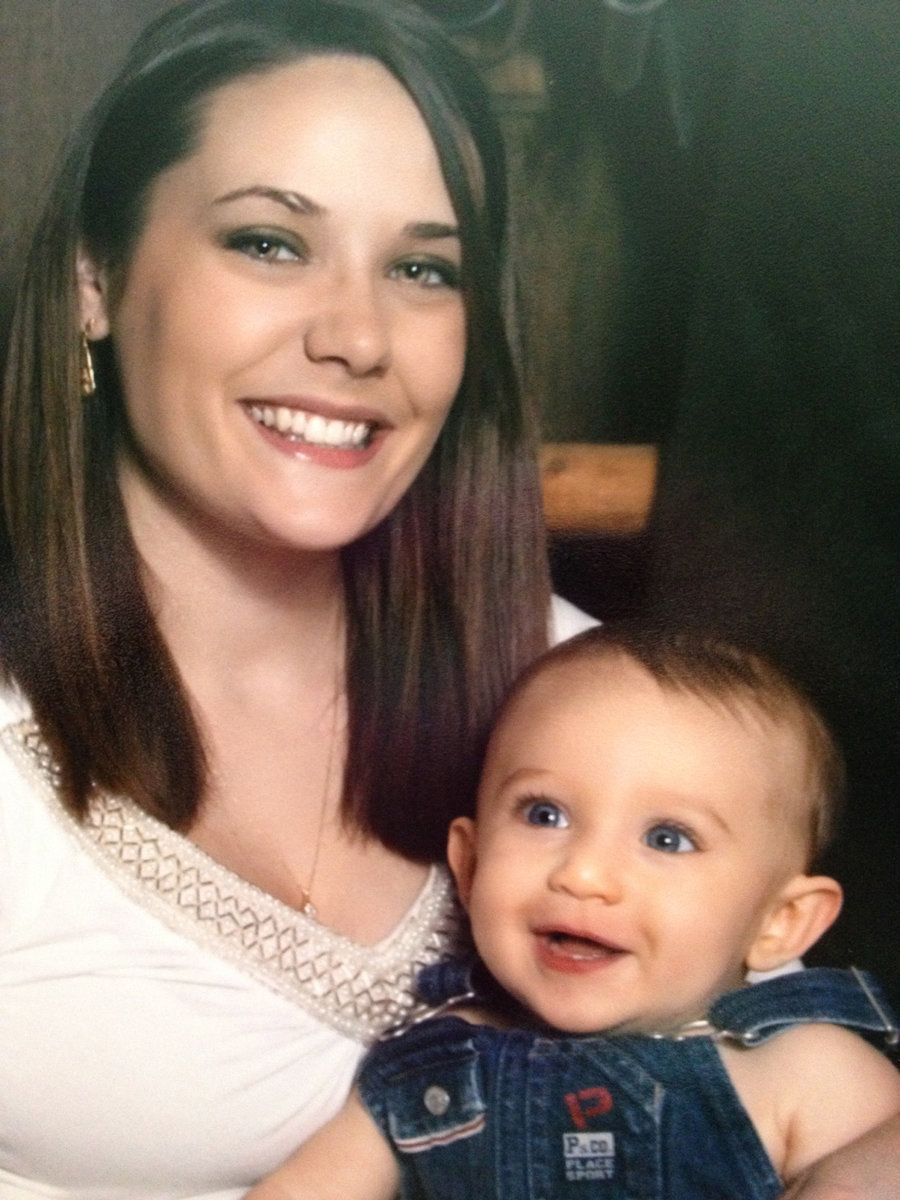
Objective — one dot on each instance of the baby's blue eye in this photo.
(670, 839)
(546, 814)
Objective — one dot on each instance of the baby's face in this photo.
(630, 843)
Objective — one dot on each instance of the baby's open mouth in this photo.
(312, 429)
(572, 945)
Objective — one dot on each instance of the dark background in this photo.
(710, 262)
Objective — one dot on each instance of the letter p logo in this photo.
(589, 1102)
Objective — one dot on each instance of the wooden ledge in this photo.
(592, 488)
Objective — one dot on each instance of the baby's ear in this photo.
(803, 910)
(461, 855)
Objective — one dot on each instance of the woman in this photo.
(265, 580)
(271, 552)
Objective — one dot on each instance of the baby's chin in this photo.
(586, 1024)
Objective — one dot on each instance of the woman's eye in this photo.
(427, 273)
(670, 839)
(265, 247)
(545, 814)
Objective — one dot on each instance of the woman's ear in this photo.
(92, 296)
(804, 909)
(461, 855)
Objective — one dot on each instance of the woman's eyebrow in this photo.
(295, 201)
(428, 230)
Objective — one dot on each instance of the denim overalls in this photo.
(476, 1113)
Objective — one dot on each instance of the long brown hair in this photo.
(447, 598)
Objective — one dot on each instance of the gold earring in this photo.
(86, 358)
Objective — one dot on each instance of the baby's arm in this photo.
(867, 1169)
(811, 1091)
(347, 1159)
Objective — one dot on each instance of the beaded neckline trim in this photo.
(360, 991)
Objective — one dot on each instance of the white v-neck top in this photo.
(167, 1030)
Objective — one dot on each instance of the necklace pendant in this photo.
(308, 908)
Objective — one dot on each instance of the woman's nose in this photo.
(589, 870)
(349, 325)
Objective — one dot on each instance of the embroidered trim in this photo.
(360, 991)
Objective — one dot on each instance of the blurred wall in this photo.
(55, 55)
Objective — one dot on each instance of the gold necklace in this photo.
(307, 906)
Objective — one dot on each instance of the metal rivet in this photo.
(436, 1100)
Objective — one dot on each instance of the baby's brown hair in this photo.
(720, 673)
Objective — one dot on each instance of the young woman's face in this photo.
(290, 331)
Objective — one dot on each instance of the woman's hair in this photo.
(447, 598)
(738, 679)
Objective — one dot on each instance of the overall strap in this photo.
(852, 998)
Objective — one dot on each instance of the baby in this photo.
(651, 812)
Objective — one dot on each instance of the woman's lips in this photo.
(348, 438)
(298, 425)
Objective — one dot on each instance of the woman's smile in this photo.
(338, 438)
(300, 427)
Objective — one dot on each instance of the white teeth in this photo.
(310, 427)
(298, 424)
(316, 430)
